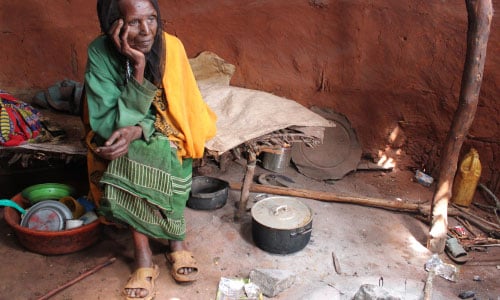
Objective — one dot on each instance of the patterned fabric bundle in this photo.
(19, 121)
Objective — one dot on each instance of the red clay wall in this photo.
(388, 65)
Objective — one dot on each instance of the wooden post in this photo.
(479, 13)
(247, 182)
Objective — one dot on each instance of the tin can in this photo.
(277, 160)
(423, 178)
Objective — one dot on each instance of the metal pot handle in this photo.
(260, 197)
(277, 210)
(296, 234)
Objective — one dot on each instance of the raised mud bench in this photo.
(62, 158)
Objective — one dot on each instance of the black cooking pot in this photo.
(281, 225)
(208, 193)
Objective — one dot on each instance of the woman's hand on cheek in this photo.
(114, 33)
(119, 34)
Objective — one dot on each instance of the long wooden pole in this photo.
(480, 13)
(399, 206)
(78, 278)
(325, 196)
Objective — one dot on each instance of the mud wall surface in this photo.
(392, 67)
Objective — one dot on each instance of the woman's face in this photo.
(141, 18)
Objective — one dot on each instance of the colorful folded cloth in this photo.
(19, 121)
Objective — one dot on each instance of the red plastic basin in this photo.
(51, 242)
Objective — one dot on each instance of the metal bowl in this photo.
(208, 193)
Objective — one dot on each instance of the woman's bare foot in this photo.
(143, 259)
(179, 246)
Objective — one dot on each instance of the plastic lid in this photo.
(47, 191)
(281, 213)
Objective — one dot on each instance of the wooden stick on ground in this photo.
(479, 13)
(428, 284)
(399, 206)
(485, 225)
(80, 277)
(325, 196)
(336, 264)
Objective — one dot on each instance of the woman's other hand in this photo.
(119, 141)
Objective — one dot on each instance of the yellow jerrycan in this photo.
(466, 179)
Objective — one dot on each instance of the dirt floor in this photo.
(373, 246)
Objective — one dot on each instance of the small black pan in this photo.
(208, 193)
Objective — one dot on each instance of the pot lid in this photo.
(48, 215)
(281, 213)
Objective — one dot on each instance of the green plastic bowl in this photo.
(47, 191)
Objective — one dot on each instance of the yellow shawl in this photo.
(187, 111)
